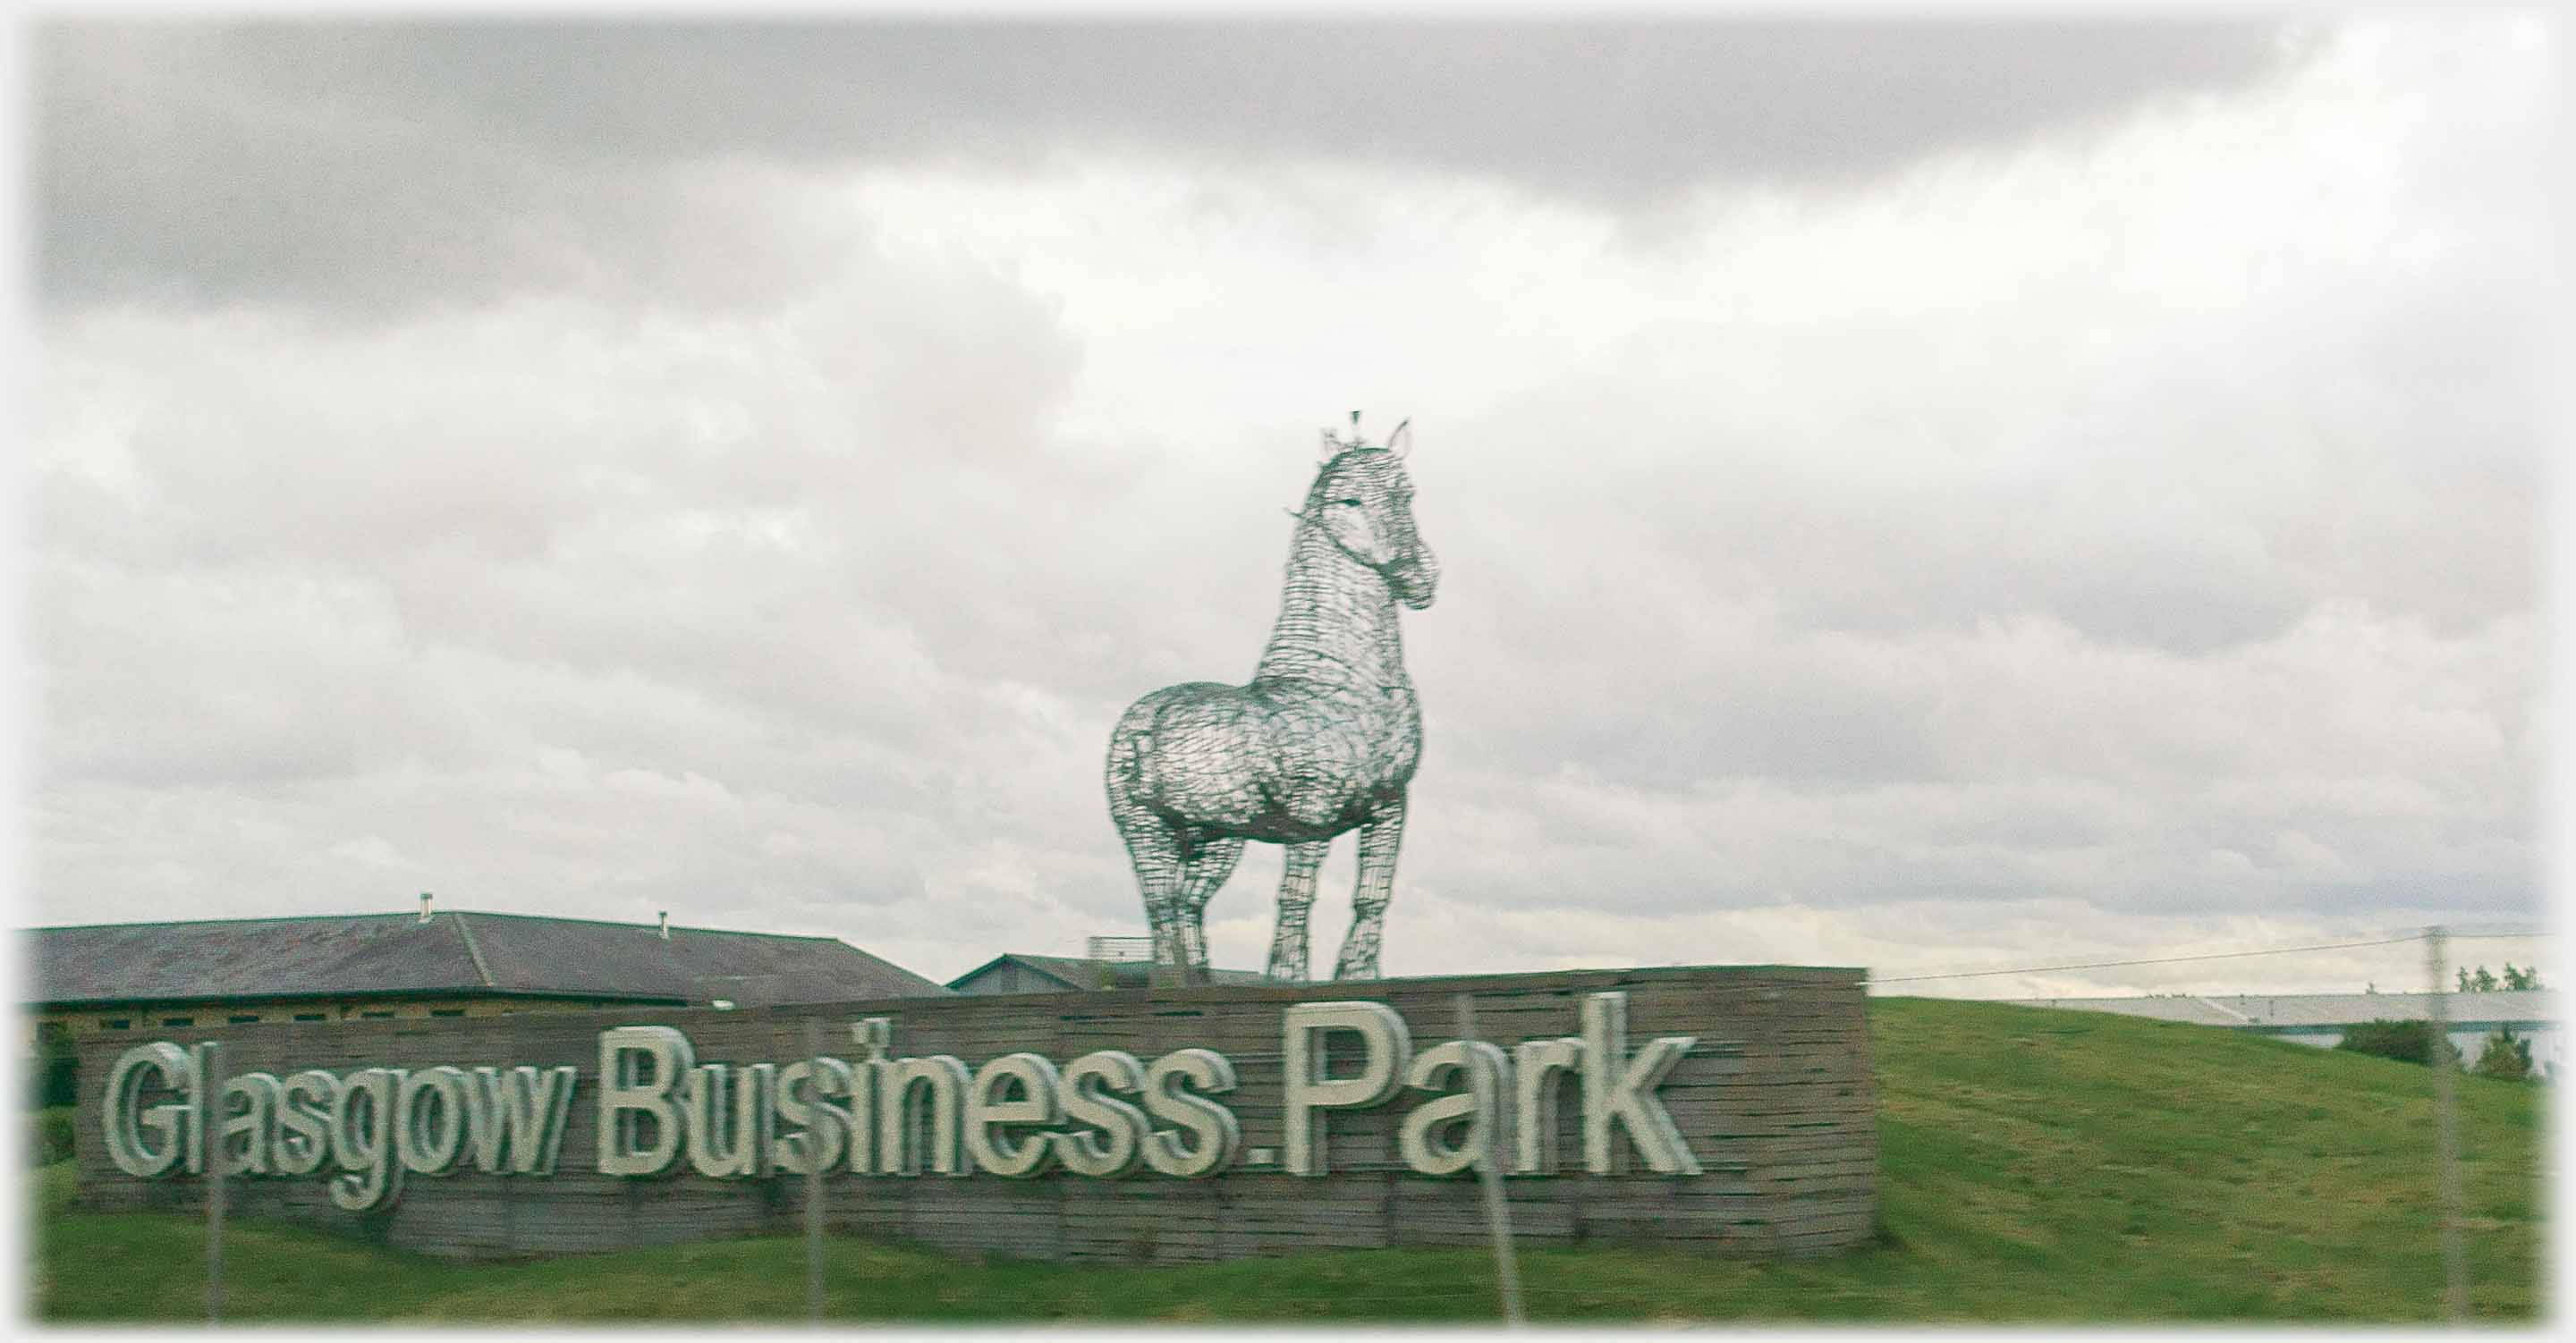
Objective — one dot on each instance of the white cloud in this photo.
(2055, 546)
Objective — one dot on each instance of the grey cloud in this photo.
(168, 172)
(1628, 108)
(186, 682)
(1656, 855)
(381, 167)
(820, 611)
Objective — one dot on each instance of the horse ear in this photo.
(1329, 448)
(1401, 441)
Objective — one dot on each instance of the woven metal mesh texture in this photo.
(1324, 739)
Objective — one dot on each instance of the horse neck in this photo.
(1337, 620)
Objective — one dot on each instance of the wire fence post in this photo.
(1489, 1173)
(2455, 1268)
(210, 1145)
(818, 1118)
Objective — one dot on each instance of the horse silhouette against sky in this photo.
(1325, 738)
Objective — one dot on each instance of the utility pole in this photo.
(210, 1142)
(816, 1120)
(2455, 1268)
(1489, 1173)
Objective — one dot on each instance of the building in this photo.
(120, 977)
(2321, 1019)
(1019, 972)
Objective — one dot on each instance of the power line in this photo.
(2494, 932)
(2151, 960)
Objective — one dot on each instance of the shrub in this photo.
(2406, 1041)
(2507, 1057)
(50, 1133)
(54, 1074)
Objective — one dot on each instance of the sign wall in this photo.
(1727, 1108)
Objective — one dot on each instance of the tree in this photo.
(2483, 980)
(56, 1075)
(2507, 1057)
(2405, 1041)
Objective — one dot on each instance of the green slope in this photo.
(2037, 1166)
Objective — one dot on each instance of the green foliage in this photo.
(54, 1186)
(2483, 980)
(2507, 1057)
(54, 1073)
(49, 1135)
(2405, 1041)
(2036, 1167)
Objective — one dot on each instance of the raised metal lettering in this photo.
(304, 1122)
(1539, 1067)
(515, 1118)
(1479, 1107)
(1118, 1147)
(1385, 1048)
(362, 1139)
(989, 1113)
(1215, 1134)
(824, 1127)
(731, 1119)
(1620, 1090)
(256, 1125)
(638, 1066)
(125, 1120)
(429, 1120)
(899, 1125)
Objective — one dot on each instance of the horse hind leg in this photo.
(1288, 953)
(1155, 854)
(1154, 850)
(1379, 840)
(1204, 868)
(1157, 847)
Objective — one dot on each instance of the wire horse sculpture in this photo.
(1325, 739)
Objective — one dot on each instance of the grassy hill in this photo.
(2037, 1166)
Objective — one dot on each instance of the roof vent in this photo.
(666, 925)
(424, 906)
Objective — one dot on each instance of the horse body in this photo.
(1324, 739)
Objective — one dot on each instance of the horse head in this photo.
(1363, 500)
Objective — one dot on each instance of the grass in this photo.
(2037, 1166)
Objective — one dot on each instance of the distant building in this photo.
(136, 977)
(2321, 1019)
(1019, 972)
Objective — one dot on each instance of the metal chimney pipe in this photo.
(666, 925)
(424, 906)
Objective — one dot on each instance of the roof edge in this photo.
(414, 915)
(466, 931)
(367, 995)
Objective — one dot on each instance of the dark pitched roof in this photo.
(460, 953)
(1076, 972)
(1071, 971)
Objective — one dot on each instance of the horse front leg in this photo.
(1288, 954)
(1379, 840)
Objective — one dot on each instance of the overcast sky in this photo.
(1927, 496)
